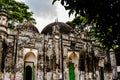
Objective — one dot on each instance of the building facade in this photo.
(54, 54)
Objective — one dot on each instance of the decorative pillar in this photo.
(86, 68)
(3, 31)
(1, 51)
(113, 64)
(101, 68)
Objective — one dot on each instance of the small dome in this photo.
(63, 28)
(28, 27)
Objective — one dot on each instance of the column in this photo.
(1, 51)
(113, 64)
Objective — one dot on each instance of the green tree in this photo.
(17, 11)
(78, 24)
(103, 14)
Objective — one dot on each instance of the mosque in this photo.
(55, 53)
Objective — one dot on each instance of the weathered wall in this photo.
(50, 55)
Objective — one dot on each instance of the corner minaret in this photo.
(3, 22)
(3, 34)
(3, 18)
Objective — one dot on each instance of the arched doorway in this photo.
(28, 73)
(73, 65)
(29, 66)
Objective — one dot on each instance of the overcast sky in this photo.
(46, 13)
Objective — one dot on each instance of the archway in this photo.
(29, 66)
(73, 57)
(28, 73)
(73, 66)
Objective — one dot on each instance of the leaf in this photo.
(18, 11)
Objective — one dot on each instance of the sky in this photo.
(46, 13)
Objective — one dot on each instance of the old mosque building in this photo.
(55, 53)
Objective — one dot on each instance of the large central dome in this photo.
(63, 28)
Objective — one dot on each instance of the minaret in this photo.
(3, 34)
(3, 23)
(3, 18)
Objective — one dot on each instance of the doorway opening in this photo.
(71, 71)
(29, 66)
(28, 73)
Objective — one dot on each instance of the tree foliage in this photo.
(103, 14)
(78, 24)
(17, 11)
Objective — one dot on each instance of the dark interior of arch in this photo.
(28, 73)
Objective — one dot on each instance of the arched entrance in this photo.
(28, 73)
(73, 66)
(29, 66)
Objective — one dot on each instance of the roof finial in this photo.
(56, 20)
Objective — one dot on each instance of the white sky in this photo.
(46, 13)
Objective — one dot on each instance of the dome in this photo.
(28, 27)
(63, 28)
